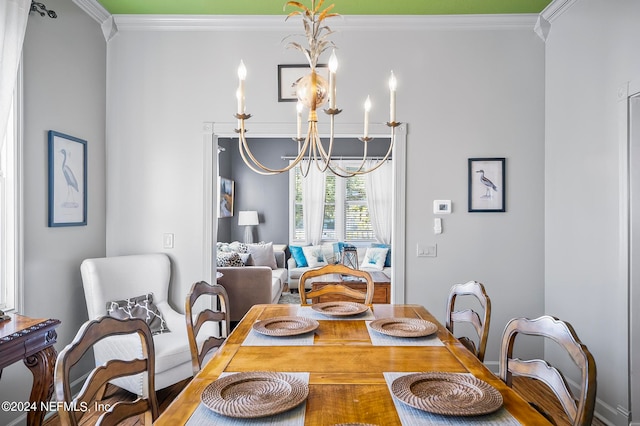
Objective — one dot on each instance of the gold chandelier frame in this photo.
(313, 91)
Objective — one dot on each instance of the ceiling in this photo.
(343, 7)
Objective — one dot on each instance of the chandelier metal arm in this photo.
(254, 164)
(324, 155)
(342, 172)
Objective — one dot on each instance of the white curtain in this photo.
(313, 189)
(13, 24)
(379, 198)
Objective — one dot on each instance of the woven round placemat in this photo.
(254, 394)
(285, 326)
(451, 394)
(404, 327)
(339, 308)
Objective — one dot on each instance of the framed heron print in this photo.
(487, 185)
(67, 180)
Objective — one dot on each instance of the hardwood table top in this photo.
(346, 381)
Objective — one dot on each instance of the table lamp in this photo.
(248, 219)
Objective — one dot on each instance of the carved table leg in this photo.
(42, 365)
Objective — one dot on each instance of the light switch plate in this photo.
(425, 250)
(167, 241)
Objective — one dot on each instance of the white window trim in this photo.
(13, 270)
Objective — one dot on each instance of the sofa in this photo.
(251, 273)
(313, 257)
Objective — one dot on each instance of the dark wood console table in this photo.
(31, 340)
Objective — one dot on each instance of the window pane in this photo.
(298, 222)
(329, 222)
(330, 191)
(298, 184)
(7, 215)
(357, 222)
(356, 189)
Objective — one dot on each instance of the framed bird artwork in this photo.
(487, 185)
(67, 180)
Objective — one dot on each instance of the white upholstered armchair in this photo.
(123, 277)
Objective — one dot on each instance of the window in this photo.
(346, 214)
(10, 204)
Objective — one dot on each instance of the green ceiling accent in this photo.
(343, 7)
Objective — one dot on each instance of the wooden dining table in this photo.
(349, 371)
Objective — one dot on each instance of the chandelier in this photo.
(313, 91)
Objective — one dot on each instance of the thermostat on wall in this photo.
(441, 206)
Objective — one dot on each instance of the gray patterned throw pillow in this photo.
(139, 307)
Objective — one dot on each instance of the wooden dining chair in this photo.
(337, 287)
(93, 332)
(578, 408)
(480, 323)
(202, 340)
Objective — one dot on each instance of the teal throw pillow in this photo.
(298, 256)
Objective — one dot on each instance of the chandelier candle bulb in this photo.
(367, 108)
(242, 75)
(393, 84)
(333, 67)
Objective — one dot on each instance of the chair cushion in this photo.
(139, 307)
(170, 351)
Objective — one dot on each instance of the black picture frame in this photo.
(289, 74)
(67, 180)
(487, 185)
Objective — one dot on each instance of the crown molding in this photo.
(346, 23)
(550, 14)
(94, 9)
(556, 8)
(100, 15)
(112, 24)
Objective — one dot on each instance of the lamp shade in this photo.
(249, 217)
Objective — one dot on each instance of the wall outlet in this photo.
(425, 250)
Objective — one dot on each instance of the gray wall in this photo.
(465, 91)
(64, 90)
(269, 195)
(591, 53)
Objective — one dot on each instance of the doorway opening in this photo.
(217, 132)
